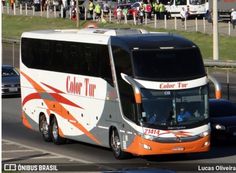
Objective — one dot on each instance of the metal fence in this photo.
(195, 25)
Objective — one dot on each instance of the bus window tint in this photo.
(123, 65)
(164, 65)
(181, 2)
(67, 57)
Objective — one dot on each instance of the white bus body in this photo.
(88, 85)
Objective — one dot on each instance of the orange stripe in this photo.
(136, 147)
(25, 121)
(218, 94)
(60, 110)
(36, 86)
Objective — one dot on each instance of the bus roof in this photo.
(101, 36)
(88, 35)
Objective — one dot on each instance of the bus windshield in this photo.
(168, 65)
(197, 2)
(174, 108)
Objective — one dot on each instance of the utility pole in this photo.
(77, 13)
(215, 31)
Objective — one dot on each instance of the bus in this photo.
(196, 7)
(124, 89)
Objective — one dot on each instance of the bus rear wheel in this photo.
(44, 128)
(56, 138)
(115, 144)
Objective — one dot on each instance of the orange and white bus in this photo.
(126, 89)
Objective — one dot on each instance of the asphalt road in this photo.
(22, 145)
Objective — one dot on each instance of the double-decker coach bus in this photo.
(130, 90)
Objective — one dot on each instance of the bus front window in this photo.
(174, 108)
(197, 2)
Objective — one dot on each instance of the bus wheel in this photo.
(56, 138)
(116, 145)
(44, 128)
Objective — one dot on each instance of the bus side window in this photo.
(90, 55)
(104, 64)
(57, 57)
(45, 55)
(36, 58)
(122, 62)
(27, 51)
(73, 59)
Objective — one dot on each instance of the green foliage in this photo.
(13, 26)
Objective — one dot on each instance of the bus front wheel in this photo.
(44, 128)
(115, 144)
(56, 138)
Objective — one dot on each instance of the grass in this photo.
(13, 26)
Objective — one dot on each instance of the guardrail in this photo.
(221, 64)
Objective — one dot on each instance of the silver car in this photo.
(10, 81)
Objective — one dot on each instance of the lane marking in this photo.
(34, 158)
(17, 151)
(46, 151)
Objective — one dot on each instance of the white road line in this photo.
(45, 151)
(17, 151)
(35, 157)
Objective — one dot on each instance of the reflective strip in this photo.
(103, 127)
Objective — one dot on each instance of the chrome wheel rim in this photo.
(55, 130)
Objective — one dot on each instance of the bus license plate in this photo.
(178, 148)
(13, 89)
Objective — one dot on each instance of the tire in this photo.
(56, 138)
(116, 145)
(44, 128)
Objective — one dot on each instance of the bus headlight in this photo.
(148, 137)
(204, 134)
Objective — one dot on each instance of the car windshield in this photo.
(6, 72)
(174, 108)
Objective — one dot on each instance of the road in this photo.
(22, 145)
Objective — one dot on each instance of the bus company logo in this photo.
(179, 85)
(74, 86)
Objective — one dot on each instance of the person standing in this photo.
(149, 10)
(105, 9)
(233, 18)
(91, 8)
(12, 4)
(183, 14)
(141, 13)
(98, 11)
(119, 14)
(157, 10)
(162, 10)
